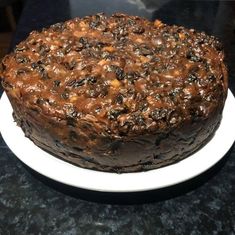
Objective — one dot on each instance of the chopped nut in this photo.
(140, 40)
(102, 62)
(158, 23)
(82, 24)
(109, 49)
(182, 36)
(78, 34)
(151, 100)
(115, 83)
(144, 59)
(176, 72)
(73, 98)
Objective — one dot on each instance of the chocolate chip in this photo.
(192, 77)
(143, 106)
(41, 101)
(166, 34)
(103, 90)
(132, 76)
(91, 79)
(138, 30)
(67, 49)
(131, 22)
(84, 41)
(94, 24)
(101, 44)
(119, 98)
(114, 113)
(23, 71)
(159, 114)
(65, 95)
(211, 77)
(22, 59)
(44, 75)
(118, 71)
(73, 113)
(71, 83)
(34, 65)
(20, 48)
(108, 56)
(43, 49)
(143, 50)
(79, 83)
(58, 27)
(176, 36)
(70, 65)
(78, 46)
(119, 32)
(40, 68)
(146, 51)
(92, 93)
(56, 83)
(98, 109)
(76, 83)
(218, 46)
(191, 56)
(96, 21)
(139, 120)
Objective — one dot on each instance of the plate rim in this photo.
(113, 182)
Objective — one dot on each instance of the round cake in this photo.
(118, 93)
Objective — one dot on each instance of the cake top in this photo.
(124, 71)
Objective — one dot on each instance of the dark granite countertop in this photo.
(32, 204)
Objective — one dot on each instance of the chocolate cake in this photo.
(119, 93)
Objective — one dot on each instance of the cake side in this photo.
(117, 93)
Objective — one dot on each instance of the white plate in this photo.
(69, 174)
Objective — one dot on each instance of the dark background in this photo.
(33, 204)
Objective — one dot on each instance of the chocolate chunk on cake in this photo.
(119, 93)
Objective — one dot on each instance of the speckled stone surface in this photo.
(33, 204)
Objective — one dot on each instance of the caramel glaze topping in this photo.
(126, 73)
